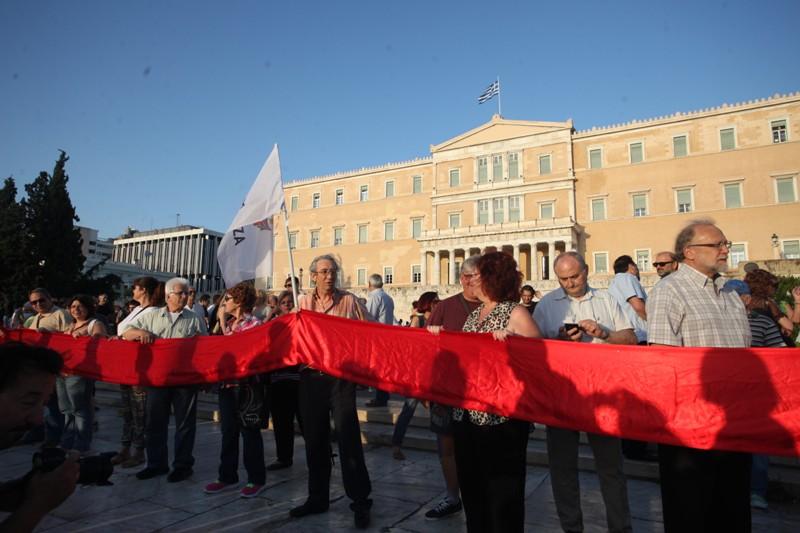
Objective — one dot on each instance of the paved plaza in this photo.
(402, 491)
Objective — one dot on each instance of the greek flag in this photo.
(490, 92)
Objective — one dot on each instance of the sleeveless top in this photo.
(496, 319)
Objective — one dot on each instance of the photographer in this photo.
(27, 376)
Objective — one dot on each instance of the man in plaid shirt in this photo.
(701, 490)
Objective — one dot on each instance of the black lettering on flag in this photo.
(238, 238)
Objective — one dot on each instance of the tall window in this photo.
(636, 152)
(337, 236)
(639, 204)
(315, 201)
(546, 210)
(295, 201)
(596, 158)
(727, 139)
(416, 184)
(339, 197)
(544, 164)
(483, 170)
(601, 262)
(679, 146)
(454, 220)
(389, 188)
(778, 128)
(416, 227)
(362, 233)
(388, 231)
(733, 195)
(315, 238)
(363, 193)
(737, 254)
(497, 167)
(361, 276)
(785, 190)
(683, 200)
(455, 177)
(388, 275)
(416, 274)
(293, 240)
(499, 211)
(513, 166)
(643, 260)
(791, 249)
(513, 209)
(598, 208)
(483, 211)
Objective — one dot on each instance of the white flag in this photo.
(246, 249)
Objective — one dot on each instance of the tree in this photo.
(14, 270)
(53, 242)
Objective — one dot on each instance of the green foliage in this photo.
(785, 286)
(13, 267)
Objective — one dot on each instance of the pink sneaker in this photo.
(251, 490)
(219, 486)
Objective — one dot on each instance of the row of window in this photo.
(362, 233)
(785, 192)
(363, 194)
(790, 249)
(388, 275)
(680, 144)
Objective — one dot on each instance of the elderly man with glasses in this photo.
(320, 395)
(173, 321)
(701, 490)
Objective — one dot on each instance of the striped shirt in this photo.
(687, 308)
(765, 330)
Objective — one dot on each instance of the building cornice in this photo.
(419, 161)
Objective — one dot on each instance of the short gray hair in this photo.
(325, 257)
(375, 280)
(573, 254)
(687, 234)
(470, 263)
(170, 285)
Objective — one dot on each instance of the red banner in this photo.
(733, 399)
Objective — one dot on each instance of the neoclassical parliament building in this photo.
(535, 189)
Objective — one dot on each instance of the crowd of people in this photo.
(483, 455)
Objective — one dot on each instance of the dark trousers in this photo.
(704, 490)
(53, 421)
(319, 396)
(381, 397)
(491, 462)
(403, 420)
(134, 401)
(252, 445)
(283, 409)
(183, 401)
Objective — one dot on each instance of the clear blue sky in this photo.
(169, 107)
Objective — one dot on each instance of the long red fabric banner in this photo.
(731, 399)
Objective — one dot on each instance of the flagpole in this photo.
(291, 258)
(499, 96)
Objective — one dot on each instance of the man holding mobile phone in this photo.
(576, 312)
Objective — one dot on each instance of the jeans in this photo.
(403, 420)
(760, 475)
(75, 403)
(319, 395)
(183, 401)
(53, 421)
(252, 445)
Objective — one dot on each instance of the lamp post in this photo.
(775, 245)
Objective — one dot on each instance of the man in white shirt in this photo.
(579, 313)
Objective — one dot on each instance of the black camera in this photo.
(95, 470)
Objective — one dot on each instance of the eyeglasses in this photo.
(39, 301)
(470, 275)
(286, 302)
(182, 293)
(325, 271)
(659, 264)
(718, 245)
(228, 297)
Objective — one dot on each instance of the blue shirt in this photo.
(622, 288)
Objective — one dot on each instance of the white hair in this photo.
(170, 285)
(375, 280)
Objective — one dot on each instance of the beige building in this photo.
(535, 189)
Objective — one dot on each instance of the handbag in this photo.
(252, 408)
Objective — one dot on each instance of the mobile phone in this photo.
(570, 325)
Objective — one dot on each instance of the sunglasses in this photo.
(39, 301)
(658, 264)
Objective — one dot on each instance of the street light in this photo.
(774, 240)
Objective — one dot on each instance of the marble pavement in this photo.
(402, 492)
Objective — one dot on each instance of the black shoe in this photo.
(278, 465)
(179, 474)
(361, 518)
(149, 472)
(307, 509)
(375, 403)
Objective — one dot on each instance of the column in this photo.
(423, 267)
(453, 274)
(437, 265)
(516, 255)
(551, 257)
